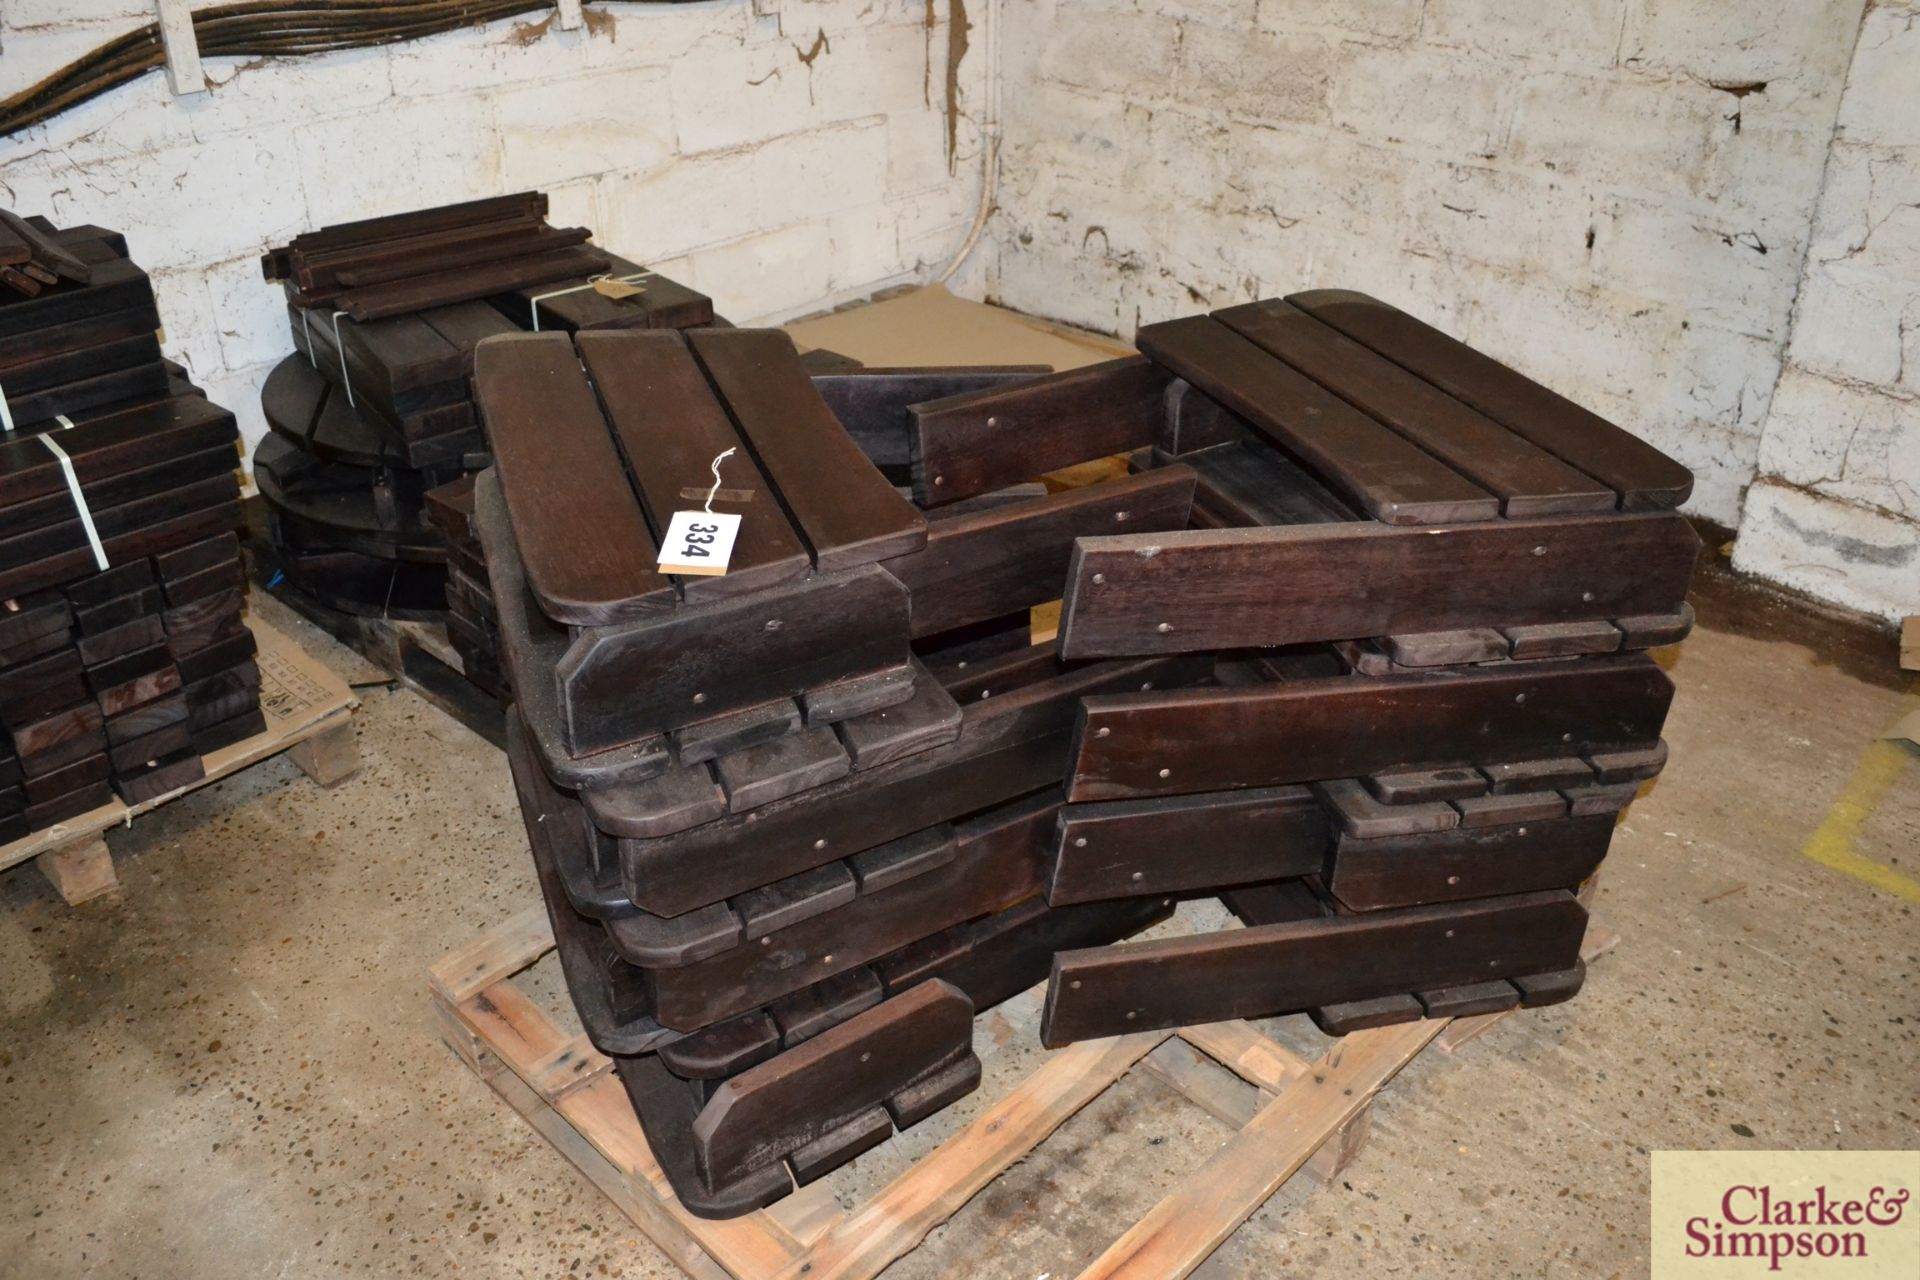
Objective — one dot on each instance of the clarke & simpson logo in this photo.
(1794, 1214)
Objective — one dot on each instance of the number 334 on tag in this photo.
(699, 542)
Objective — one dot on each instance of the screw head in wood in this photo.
(1453, 879)
(1539, 551)
(1099, 579)
(939, 480)
(1079, 842)
(1102, 732)
(1166, 773)
(699, 698)
(820, 844)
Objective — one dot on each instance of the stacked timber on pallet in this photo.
(84, 339)
(123, 654)
(376, 408)
(796, 822)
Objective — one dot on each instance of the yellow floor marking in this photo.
(1832, 844)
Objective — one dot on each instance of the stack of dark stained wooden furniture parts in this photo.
(1357, 647)
(123, 654)
(375, 408)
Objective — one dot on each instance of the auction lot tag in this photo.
(699, 542)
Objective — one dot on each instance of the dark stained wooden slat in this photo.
(980, 566)
(1645, 478)
(584, 543)
(1510, 808)
(1244, 588)
(1249, 482)
(1183, 741)
(871, 402)
(1128, 848)
(1279, 968)
(669, 428)
(843, 506)
(1378, 470)
(1527, 480)
(971, 444)
(1469, 862)
(801, 1095)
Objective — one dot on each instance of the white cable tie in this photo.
(79, 500)
(306, 327)
(6, 413)
(346, 378)
(715, 465)
(534, 304)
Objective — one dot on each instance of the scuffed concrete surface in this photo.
(231, 1070)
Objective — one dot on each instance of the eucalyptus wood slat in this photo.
(1280, 968)
(1527, 480)
(669, 428)
(1182, 741)
(843, 506)
(1244, 588)
(1645, 478)
(584, 542)
(971, 444)
(1379, 471)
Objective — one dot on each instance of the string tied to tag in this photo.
(714, 466)
(593, 282)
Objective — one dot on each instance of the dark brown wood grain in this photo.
(988, 563)
(871, 402)
(1233, 588)
(1127, 848)
(1645, 478)
(1371, 466)
(1182, 741)
(1469, 862)
(1279, 968)
(669, 429)
(840, 502)
(970, 444)
(584, 542)
(1527, 480)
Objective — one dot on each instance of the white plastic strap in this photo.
(538, 298)
(346, 378)
(6, 413)
(306, 327)
(73, 487)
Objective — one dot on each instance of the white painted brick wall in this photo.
(692, 137)
(1563, 182)
(1836, 509)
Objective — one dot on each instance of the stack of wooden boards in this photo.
(472, 621)
(376, 408)
(86, 338)
(797, 822)
(123, 654)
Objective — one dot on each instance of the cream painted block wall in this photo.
(694, 137)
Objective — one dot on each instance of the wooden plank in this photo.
(670, 429)
(1527, 480)
(1182, 741)
(1180, 1232)
(583, 539)
(871, 402)
(792, 1099)
(841, 503)
(1244, 588)
(982, 565)
(79, 872)
(971, 444)
(1645, 478)
(1008, 746)
(1283, 968)
(1253, 1057)
(893, 1223)
(1470, 862)
(494, 956)
(1128, 848)
(1379, 471)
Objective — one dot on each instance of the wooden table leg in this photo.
(80, 871)
(328, 758)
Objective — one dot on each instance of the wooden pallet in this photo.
(309, 714)
(1302, 1114)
